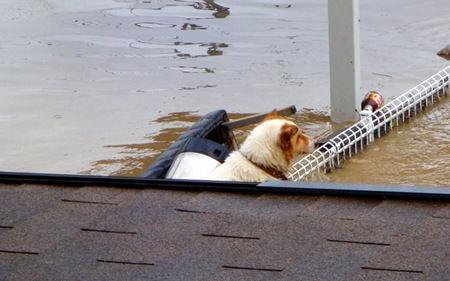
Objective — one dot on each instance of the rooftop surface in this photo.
(101, 233)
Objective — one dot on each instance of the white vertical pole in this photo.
(343, 28)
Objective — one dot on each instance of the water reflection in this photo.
(186, 69)
(154, 25)
(182, 49)
(192, 26)
(197, 87)
(282, 6)
(220, 11)
(213, 49)
(185, 9)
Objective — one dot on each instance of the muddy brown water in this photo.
(417, 152)
(102, 87)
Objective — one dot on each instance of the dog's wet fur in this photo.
(267, 153)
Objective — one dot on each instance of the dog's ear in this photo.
(287, 132)
(273, 115)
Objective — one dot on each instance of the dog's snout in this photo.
(311, 144)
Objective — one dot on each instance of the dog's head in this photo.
(291, 139)
(276, 142)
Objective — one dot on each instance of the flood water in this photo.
(417, 152)
(102, 87)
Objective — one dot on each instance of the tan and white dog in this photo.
(267, 153)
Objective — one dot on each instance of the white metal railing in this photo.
(378, 123)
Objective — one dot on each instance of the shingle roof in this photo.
(100, 233)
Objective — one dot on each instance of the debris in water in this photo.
(445, 52)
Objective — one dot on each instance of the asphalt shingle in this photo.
(98, 233)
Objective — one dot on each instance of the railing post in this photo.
(343, 28)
